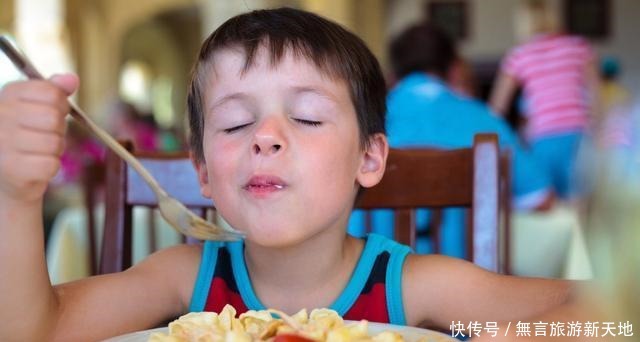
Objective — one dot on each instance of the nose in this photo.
(269, 139)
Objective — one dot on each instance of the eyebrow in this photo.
(297, 89)
(227, 98)
(318, 91)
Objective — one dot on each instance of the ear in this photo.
(203, 177)
(374, 161)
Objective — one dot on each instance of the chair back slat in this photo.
(117, 235)
(426, 177)
(505, 215)
(485, 207)
(405, 226)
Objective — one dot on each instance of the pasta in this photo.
(319, 325)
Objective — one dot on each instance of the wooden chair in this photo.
(476, 178)
(93, 182)
(125, 190)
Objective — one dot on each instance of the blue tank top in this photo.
(374, 291)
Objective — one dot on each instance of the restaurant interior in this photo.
(134, 60)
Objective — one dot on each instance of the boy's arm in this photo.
(439, 290)
(142, 297)
(31, 140)
(150, 293)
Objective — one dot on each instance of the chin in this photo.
(273, 238)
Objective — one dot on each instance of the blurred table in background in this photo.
(549, 245)
(68, 246)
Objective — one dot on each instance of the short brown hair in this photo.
(335, 51)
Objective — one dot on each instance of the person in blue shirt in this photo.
(423, 110)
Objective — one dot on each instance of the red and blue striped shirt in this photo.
(374, 291)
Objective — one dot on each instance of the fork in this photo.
(174, 212)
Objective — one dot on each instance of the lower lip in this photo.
(262, 191)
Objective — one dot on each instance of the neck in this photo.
(313, 273)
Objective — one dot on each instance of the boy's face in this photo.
(281, 148)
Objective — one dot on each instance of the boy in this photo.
(287, 120)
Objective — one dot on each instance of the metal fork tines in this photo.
(176, 214)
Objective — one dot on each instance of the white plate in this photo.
(410, 334)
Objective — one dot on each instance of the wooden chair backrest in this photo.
(126, 189)
(476, 178)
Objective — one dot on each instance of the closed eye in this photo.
(308, 122)
(236, 128)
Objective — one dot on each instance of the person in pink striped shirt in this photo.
(557, 73)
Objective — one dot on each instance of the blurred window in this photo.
(41, 34)
(135, 85)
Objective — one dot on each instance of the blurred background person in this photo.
(424, 110)
(616, 127)
(462, 79)
(558, 75)
(126, 122)
(612, 93)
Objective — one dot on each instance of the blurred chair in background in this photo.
(74, 252)
(127, 190)
(72, 199)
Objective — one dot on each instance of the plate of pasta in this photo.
(319, 325)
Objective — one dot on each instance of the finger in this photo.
(67, 82)
(40, 143)
(37, 91)
(35, 116)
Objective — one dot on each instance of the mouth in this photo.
(264, 184)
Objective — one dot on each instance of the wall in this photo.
(98, 29)
(624, 41)
(6, 15)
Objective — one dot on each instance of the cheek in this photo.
(221, 165)
(337, 169)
